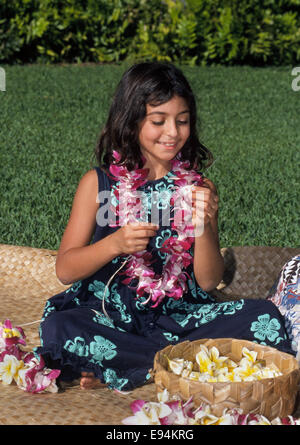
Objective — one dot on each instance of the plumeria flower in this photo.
(163, 396)
(165, 412)
(181, 413)
(215, 368)
(250, 355)
(259, 420)
(228, 377)
(246, 372)
(180, 366)
(249, 419)
(230, 365)
(203, 416)
(35, 377)
(204, 362)
(215, 357)
(176, 365)
(9, 368)
(205, 377)
(290, 420)
(147, 413)
(177, 412)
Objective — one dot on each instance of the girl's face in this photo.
(164, 131)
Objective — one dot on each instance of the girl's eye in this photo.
(178, 123)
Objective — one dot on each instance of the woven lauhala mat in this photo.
(71, 406)
(27, 280)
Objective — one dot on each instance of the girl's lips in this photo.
(168, 145)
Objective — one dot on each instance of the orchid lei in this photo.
(24, 368)
(174, 411)
(172, 282)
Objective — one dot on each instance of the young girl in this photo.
(143, 281)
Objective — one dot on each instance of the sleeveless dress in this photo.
(118, 344)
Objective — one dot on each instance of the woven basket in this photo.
(272, 397)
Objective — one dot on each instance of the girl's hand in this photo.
(205, 204)
(134, 237)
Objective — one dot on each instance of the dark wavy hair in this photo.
(145, 83)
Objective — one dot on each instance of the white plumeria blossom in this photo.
(173, 411)
(149, 414)
(9, 368)
(209, 366)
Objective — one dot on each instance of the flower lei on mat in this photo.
(24, 368)
(174, 411)
(172, 282)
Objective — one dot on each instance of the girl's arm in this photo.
(77, 258)
(208, 261)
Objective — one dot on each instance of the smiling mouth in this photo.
(168, 145)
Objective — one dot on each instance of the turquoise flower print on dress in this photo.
(119, 305)
(49, 308)
(159, 240)
(113, 381)
(266, 328)
(139, 304)
(77, 347)
(102, 319)
(206, 312)
(112, 296)
(75, 286)
(98, 287)
(102, 349)
(170, 337)
(162, 195)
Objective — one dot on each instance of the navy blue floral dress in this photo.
(77, 335)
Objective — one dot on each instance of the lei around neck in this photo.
(172, 282)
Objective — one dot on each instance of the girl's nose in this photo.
(171, 128)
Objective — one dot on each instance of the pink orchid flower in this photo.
(10, 336)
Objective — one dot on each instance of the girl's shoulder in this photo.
(92, 183)
(87, 186)
(95, 179)
(89, 179)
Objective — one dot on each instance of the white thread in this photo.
(103, 301)
(27, 324)
(96, 312)
(107, 286)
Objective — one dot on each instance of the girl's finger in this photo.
(142, 225)
(202, 203)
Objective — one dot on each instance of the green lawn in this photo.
(51, 117)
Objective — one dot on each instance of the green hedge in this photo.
(194, 32)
